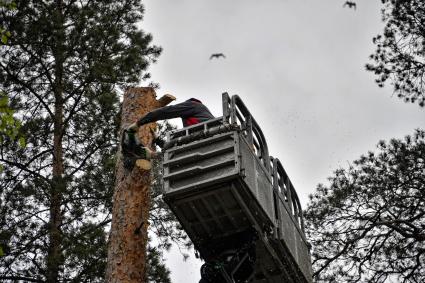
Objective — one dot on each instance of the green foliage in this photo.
(367, 225)
(163, 224)
(86, 253)
(74, 56)
(157, 272)
(400, 54)
(7, 4)
(5, 34)
(9, 125)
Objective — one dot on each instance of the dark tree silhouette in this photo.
(9, 125)
(62, 69)
(400, 54)
(368, 224)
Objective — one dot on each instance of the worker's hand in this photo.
(133, 127)
(157, 140)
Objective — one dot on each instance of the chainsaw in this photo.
(132, 149)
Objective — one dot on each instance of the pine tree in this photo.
(132, 201)
(9, 125)
(400, 53)
(367, 225)
(62, 69)
(163, 223)
(156, 271)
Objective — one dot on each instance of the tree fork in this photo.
(131, 200)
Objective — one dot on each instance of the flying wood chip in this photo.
(144, 164)
(166, 99)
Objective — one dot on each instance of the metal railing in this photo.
(220, 180)
(237, 114)
(287, 195)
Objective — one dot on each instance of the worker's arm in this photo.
(183, 109)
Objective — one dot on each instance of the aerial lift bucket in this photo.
(235, 202)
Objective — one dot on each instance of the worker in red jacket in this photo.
(191, 111)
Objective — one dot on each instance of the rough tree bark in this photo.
(131, 201)
(54, 258)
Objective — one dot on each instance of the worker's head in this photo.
(195, 100)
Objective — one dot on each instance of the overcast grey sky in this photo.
(299, 67)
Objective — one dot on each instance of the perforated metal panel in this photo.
(217, 161)
(256, 178)
(200, 163)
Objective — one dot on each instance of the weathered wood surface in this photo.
(131, 200)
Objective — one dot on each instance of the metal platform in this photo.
(220, 182)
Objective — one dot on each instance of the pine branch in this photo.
(29, 88)
(17, 278)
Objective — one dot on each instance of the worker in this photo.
(191, 111)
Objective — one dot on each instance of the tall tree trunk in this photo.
(131, 201)
(54, 255)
